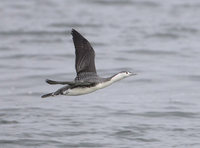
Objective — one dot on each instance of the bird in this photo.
(87, 79)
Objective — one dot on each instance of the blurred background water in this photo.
(158, 40)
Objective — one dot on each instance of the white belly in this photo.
(85, 90)
(79, 91)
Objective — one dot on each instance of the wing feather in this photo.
(85, 54)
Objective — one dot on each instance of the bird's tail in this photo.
(58, 92)
(47, 95)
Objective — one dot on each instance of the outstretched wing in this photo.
(85, 55)
(73, 83)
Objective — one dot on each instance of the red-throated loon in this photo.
(87, 80)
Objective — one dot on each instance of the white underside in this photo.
(85, 90)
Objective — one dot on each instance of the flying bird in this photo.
(87, 80)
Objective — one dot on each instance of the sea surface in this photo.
(157, 108)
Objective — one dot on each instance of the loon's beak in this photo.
(133, 74)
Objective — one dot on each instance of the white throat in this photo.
(117, 77)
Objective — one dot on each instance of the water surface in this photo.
(158, 40)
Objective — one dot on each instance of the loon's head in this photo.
(125, 74)
(122, 75)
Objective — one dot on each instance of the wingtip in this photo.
(47, 80)
(73, 31)
(47, 95)
(50, 81)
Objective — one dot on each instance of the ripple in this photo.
(162, 35)
(182, 29)
(151, 52)
(179, 129)
(125, 2)
(159, 114)
(110, 2)
(10, 109)
(28, 41)
(146, 140)
(195, 78)
(74, 25)
(8, 122)
(83, 144)
(170, 114)
(19, 56)
(29, 142)
(187, 5)
(27, 109)
(122, 59)
(30, 33)
(4, 48)
(136, 133)
(129, 133)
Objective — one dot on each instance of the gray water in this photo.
(158, 40)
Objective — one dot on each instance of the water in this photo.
(158, 40)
